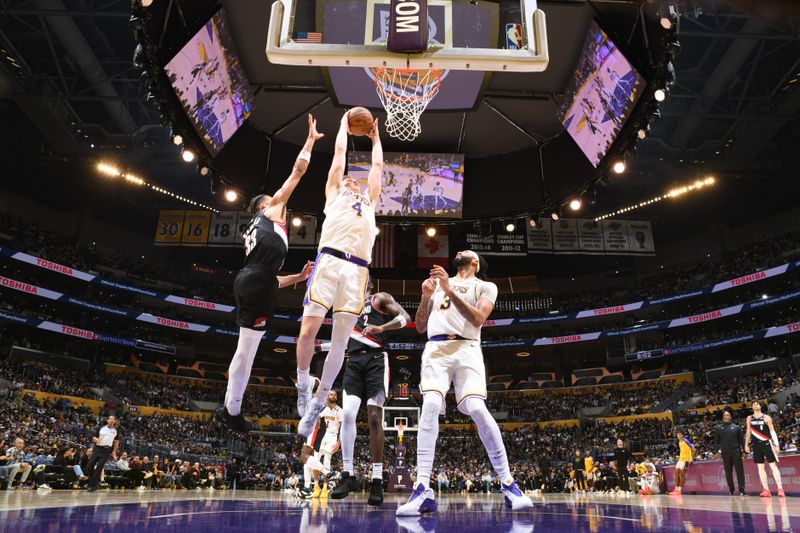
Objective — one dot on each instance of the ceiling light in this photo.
(297, 222)
(280, 350)
(231, 195)
(532, 222)
(523, 354)
(510, 227)
(619, 167)
(660, 95)
(575, 204)
(188, 155)
(177, 139)
(401, 357)
(554, 215)
(430, 232)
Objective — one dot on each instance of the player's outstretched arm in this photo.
(475, 315)
(425, 305)
(376, 172)
(277, 206)
(294, 279)
(388, 305)
(336, 173)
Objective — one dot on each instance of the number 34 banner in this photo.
(225, 228)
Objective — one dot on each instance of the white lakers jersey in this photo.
(333, 420)
(349, 225)
(445, 318)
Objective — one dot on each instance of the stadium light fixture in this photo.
(660, 94)
(431, 231)
(554, 215)
(231, 195)
(676, 192)
(297, 221)
(188, 155)
(108, 170)
(619, 166)
(533, 222)
(575, 204)
(510, 227)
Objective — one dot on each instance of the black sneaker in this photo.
(237, 423)
(304, 493)
(347, 484)
(375, 493)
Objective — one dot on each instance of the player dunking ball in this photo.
(265, 246)
(340, 276)
(765, 448)
(366, 376)
(452, 311)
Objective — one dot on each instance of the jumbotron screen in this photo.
(601, 95)
(209, 80)
(415, 185)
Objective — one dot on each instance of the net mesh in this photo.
(405, 94)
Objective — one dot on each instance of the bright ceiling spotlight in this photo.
(554, 215)
(203, 170)
(297, 222)
(533, 222)
(660, 95)
(510, 227)
(619, 167)
(669, 18)
(430, 232)
(188, 155)
(231, 195)
(147, 3)
(575, 204)
(177, 139)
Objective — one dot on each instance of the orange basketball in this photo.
(359, 120)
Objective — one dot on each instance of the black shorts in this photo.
(762, 452)
(255, 290)
(366, 374)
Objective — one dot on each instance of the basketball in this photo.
(359, 120)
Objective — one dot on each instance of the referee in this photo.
(729, 440)
(104, 445)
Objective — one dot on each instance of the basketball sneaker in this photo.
(304, 396)
(347, 484)
(514, 498)
(309, 420)
(765, 494)
(675, 492)
(324, 492)
(317, 491)
(304, 493)
(375, 493)
(781, 494)
(236, 423)
(422, 500)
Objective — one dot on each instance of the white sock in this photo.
(306, 476)
(350, 407)
(239, 370)
(303, 378)
(377, 470)
(762, 474)
(427, 435)
(316, 464)
(776, 474)
(490, 435)
(343, 324)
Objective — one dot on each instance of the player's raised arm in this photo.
(277, 206)
(294, 279)
(376, 172)
(336, 173)
(425, 305)
(385, 302)
(475, 315)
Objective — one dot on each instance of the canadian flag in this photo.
(432, 250)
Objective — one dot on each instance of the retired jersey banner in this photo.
(169, 227)
(303, 235)
(586, 236)
(200, 228)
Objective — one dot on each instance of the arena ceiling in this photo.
(67, 82)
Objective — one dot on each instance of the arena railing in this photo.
(588, 313)
(690, 320)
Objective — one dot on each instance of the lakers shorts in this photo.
(335, 284)
(459, 362)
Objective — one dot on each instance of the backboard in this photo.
(283, 48)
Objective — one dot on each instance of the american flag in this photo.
(307, 37)
(384, 251)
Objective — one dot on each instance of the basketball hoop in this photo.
(400, 427)
(405, 93)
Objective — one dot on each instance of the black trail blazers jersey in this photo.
(265, 243)
(370, 316)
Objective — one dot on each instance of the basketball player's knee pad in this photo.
(473, 406)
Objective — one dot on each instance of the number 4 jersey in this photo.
(265, 243)
(445, 319)
(349, 225)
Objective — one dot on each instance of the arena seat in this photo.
(495, 387)
(215, 375)
(551, 385)
(650, 374)
(528, 385)
(611, 378)
(149, 367)
(188, 372)
(585, 382)
(275, 382)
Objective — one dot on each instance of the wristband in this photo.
(305, 155)
(402, 321)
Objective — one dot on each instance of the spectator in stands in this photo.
(14, 460)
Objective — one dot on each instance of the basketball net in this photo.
(400, 427)
(405, 94)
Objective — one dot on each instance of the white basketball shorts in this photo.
(459, 362)
(337, 284)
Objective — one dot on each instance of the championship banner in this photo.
(499, 242)
(565, 236)
(586, 236)
(540, 238)
(590, 237)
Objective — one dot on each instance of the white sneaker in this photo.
(309, 419)
(304, 395)
(422, 500)
(43, 486)
(514, 498)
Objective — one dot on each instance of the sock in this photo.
(489, 432)
(776, 474)
(350, 407)
(427, 435)
(343, 324)
(239, 370)
(315, 464)
(306, 476)
(377, 471)
(762, 474)
(303, 378)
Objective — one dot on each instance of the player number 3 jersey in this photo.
(349, 225)
(445, 319)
